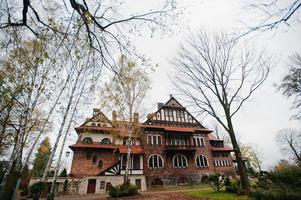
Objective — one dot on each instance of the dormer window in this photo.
(87, 140)
(106, 141)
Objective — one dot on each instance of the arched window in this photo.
(180, 161)
(106, 141)
(87, 140)
(201, 161)
(155, 161)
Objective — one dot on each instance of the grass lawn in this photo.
(212, 195)
(183, 187)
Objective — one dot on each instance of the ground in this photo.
(161, 195)
(183, 194)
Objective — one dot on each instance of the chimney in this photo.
(160, 105)
(95, 111)
(170, 96)
(136, 118)
(114, 117)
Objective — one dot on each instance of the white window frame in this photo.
(199, 140)
(177, 157)
(203, 157)
(152, 156)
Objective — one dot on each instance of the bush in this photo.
(279, 185)
(234, 187)
(123, 190)
(38, 187)
(216, 181)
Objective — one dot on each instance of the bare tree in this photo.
(271, 14)
(126, 92)
(291, 83)
(217, 77)
(290, 143)
(105, 24)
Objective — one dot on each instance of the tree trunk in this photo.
(240, 163)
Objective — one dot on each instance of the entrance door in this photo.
(91, 186)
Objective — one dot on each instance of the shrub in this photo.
(123, 190)
(279, 185)
(234, 187)
(216, 181)
(37, 187)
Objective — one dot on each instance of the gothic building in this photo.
(170, 147)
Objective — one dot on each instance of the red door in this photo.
(91, 186)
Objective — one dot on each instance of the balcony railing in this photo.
(180, 147)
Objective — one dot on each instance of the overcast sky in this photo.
(267, 111)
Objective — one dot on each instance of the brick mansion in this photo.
(170, 147)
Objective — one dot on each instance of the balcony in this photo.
(180, 147)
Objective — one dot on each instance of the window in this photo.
(106, 141)
(138, 183)
(154, 139)
(93, 124)
(136, 162)
(89, 155)
(102, 185)
(87, 140)
(201, 161)
(100, 164)
(180, 161)
(198, 141)
(94, 159)
(155, 161)
(123, 162)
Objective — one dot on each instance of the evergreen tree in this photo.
(42, 157)
(63, 173)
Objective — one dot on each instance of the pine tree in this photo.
(42, 157)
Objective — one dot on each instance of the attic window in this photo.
(106, 141)
(87, 140)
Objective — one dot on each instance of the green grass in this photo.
(183, 187)
(212, 195)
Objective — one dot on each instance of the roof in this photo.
(213, 137)
(172, 104)
(176, 128)
(221, 148)
(134, 149)
(92, 146)
(179, 129)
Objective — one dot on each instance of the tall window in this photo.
(106, 141)
(155, 161)
(154, 139)
(136, 162)
(201, 161)
(198, 141)
(180, 161)
(87, 140)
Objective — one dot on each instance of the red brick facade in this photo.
(174, 148)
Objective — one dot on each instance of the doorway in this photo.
(91, 186)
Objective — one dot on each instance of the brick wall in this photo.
(169, 171)
(81, 166)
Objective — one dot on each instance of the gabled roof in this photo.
(172, 104)
(98, 116)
